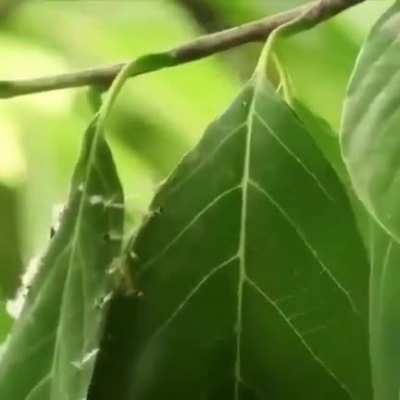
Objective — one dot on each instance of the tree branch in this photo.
(199, 48)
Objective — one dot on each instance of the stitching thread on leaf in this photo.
(192, 292)
(299, 336)
(175, 240)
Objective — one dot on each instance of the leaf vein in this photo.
(192, 293)
(293, 328)
(187, 227)
(295, 157)
(205, 160)
(308, 245)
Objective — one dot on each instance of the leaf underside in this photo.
(54, 344)
(385, 313)
(250, 273)
(370, 145)
(370, 135)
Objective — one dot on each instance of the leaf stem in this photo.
(150, 62)
(197, 49)
(305, 20)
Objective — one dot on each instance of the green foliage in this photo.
(54, 344)
(370, 145)
(370, 123)
(384, 313)
(235, 272)
(266, 266)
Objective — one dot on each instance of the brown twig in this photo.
(197, 49)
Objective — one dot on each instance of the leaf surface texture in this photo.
(250, 275)
(369, 136)
(54, 344)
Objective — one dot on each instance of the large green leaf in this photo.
(324, 136)
(384, 313)
(370, 136)
(54, 344)
(250, 276)
(370, 145)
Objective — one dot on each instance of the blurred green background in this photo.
(157, 118)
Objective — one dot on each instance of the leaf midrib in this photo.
(74, 247)
(245, 183)
(242, 274)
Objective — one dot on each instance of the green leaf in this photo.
(251, 279)
(384, 313)
(54, 344)
(324, 136)
(370, 139)
(370, 145)
(327, 140)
